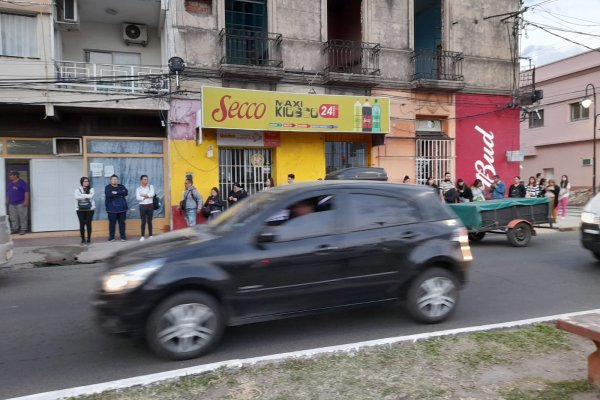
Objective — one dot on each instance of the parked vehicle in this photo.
(590, 226)
(358, 173)
(289, 251)
(6, 244)
(514, 217)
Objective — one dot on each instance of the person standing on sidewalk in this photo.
(517, 189)
(84, 195)
(116, 207)
(563, 196)
(191, 204)
(145, 196)
(497, 188)
(532, 190)
(17, 194)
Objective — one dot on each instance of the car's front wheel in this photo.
(433, 295)
(185, 325)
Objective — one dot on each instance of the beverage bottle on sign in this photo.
(376, 117)
(357, 127)
(367, 118)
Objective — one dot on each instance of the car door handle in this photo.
(409, 235)
(324, 249)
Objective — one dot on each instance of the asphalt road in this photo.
(48, 340)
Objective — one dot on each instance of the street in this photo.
(49, 342)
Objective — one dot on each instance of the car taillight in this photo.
(461, 236)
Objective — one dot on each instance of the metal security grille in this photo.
(434, 158)
(249, 167)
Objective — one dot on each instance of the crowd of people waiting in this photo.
(536, 186)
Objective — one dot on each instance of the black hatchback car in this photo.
(289, 251)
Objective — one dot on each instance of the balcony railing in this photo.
(247, 47)
(435, 64)
(110, 78)
(349, 57)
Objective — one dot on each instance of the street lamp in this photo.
(586, 103)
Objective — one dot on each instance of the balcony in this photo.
(110, 78)
(437, 69)
(250, 53)
(351, 62)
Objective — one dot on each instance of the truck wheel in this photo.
(185, 325)
(520, 235)
(476, 236)
(433, 295)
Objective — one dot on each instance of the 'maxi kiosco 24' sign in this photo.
(226, 108)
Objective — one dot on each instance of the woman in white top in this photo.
(563, 195)
(145, 197)
(477, 190)
(84, 196)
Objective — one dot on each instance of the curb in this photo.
(345, 348)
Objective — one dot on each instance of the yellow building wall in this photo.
(187, 157)
(301, 154)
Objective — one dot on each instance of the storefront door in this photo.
(53, 183)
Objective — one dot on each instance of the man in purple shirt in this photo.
(17, 194)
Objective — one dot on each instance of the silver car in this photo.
(6, 244)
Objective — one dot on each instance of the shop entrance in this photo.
(249, 167)
(434, 159)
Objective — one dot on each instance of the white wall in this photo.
(108, 37)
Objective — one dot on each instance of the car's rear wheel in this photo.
(433, 295)
(185, 325)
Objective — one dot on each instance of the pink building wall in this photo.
(561, 144)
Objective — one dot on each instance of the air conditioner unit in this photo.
(586, 162)
(66, 146)
(67, 15)
(135, 34)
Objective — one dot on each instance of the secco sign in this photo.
(226, 108)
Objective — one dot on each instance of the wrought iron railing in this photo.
(349, 57)
(248, 47)
(437, 64)
(111, 78)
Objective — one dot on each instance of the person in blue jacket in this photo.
(497, 188)
(116, 207)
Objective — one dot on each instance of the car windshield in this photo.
(237, 216)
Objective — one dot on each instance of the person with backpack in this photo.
(144, 194)
(191, 204)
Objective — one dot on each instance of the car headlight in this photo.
(589, 218)
(130, 277)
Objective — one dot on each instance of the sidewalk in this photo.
(63, 248)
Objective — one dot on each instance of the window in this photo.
(376, 211)
(18, 35)
(115, 57)
(536, 119)
(33, 147)
(304, 218)
(340, 155)
(579, 112)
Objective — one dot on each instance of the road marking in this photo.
(344, 348)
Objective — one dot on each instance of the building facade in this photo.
(90, 93)
(85, 96)
(448, 71)
(557, 132)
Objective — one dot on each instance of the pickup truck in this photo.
(6, 244)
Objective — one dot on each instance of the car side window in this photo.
(310, 217)
(371, 211)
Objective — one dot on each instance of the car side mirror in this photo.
(265, 236)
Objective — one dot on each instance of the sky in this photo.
(574, 15)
